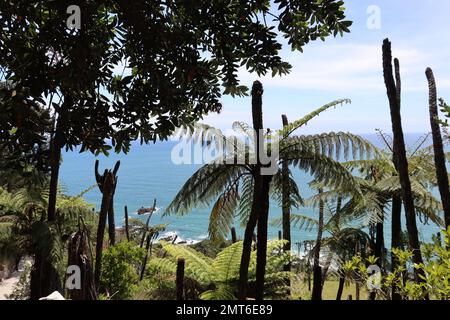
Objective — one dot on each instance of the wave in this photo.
(175, 237)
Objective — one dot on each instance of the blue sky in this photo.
(350, 67)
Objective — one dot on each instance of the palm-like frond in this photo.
(295, 200)
(222, 213)
(303, 222)
(290, 128)
(323, 169)
(243, 128)
(198, 266)
(222, 292)
(211, 137)
(226, 264)
(384, 165)
(204, 186)
(339, 145)
(162, 265)
(246, 200)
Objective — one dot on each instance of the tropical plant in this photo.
(171, 75)
(378, 178)
(232, 185)
(393, 92)
(218, 277)
(343, 237)
(120, 270)
(30, 234)
(436, 267)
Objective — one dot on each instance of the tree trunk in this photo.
(396, 217)
(379, 242)
(144, 232)
(233, 235)
(330, 255)
(286, 208)
(127, 228)
(317, 280)
(379, 249)
(79, 255)
(111, 222)
(247, 244)
(400, 150)
(261, 244)
(107, 187)
(396, 237)
(340, 288)
(257, 92)
(180, 279)
(54, 176)
(44, 278)
(439, 155)
(357, 290)
(144, 264)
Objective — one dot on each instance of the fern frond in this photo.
(339, 145)
(324, 169)
(198, 265)
(246, 199)
(276, 189)
(291, 127)
(204, 186)
(222, 213)
(223, 292)
(226, 265)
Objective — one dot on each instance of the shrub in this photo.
(120, 270)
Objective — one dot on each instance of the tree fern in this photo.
(286, 131)
(197, 264)
(222, 272)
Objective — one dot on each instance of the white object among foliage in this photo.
(53, 296)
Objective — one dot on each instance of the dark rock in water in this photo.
(211, 248)
(167, 239)
(182, 242)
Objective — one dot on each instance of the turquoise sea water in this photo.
(147, 172)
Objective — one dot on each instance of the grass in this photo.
(330, 288)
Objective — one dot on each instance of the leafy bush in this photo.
(436, 267)
(120, 270)
(217, 278)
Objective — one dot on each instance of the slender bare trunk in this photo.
(400, 150)
(144, 264)
(439, 155)
(180, 279)
(54, 176)
(110, 214)
(107, 189)
(80, 256)
(127, 228)
(233, 235)
(340, 288)
(317, 280)
(261, 245)
(396, 216)
(286, 207)
(257, 92)
(147, 223)
(396, 241)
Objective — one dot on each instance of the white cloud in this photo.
(342, 68)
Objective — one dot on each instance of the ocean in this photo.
(147, 172)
